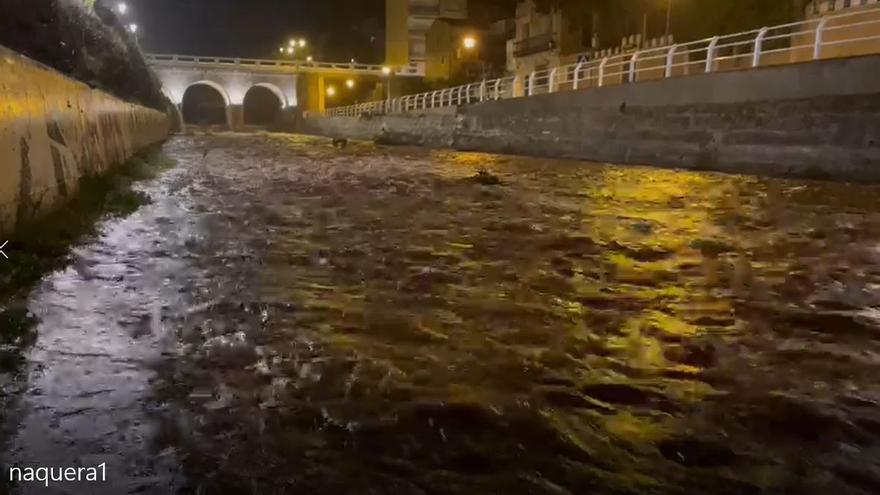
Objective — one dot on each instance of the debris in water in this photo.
(486, 178)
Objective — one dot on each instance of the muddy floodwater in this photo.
(286, 317)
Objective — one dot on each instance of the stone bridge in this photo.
(298, 85)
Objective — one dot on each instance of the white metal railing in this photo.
(413, 69)
(825, 37)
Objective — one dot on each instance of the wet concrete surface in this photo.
(287, 317)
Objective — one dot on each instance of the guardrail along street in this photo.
(832, 36)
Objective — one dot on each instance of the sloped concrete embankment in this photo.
(54, 131)
(818, 119)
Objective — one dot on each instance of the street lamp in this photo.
(385, 69)
(122, 8)
(309, 58)
(133, 28)
(290, 50)
(302, 42)
(469, 43)
(350, 83)
(331, 91)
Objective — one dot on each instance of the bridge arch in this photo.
(274, 89)
(263, 104)
(199, 106)
(217, 86)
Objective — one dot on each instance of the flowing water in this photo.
(287, 317)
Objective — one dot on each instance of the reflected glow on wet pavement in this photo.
(288, 317)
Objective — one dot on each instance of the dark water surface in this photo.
(286, 317)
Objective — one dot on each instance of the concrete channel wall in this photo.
(55, 130)
(816, 119)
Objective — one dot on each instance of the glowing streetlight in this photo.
(291, 43)
(309, 58)
(122, 8)
(290, 50)
(302, 42)
(386, 70)
(133, 28)
(469, 42)
(331, 91)
(349, 83)
(281, 50)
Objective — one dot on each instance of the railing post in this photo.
(632, 66)
(553, 80)
(670, 60)
(498, 88)
(602, 65)
(820, 31)
(759, 46)
(433, 98)
(516, 90)
(577, 74)
(710, 54)
(532, 77)
(483, 91)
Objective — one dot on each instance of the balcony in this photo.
(533, 45)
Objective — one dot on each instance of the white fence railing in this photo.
(840, 35)
(413, 69)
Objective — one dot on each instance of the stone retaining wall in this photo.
(55, 130)
(817, 119)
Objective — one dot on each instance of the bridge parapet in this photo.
(283, 66)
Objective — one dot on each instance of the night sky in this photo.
(336, 29)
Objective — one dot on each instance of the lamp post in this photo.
(294, 46)
(469, 43)
(386, 70)
(668, 17)
(122, 8)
